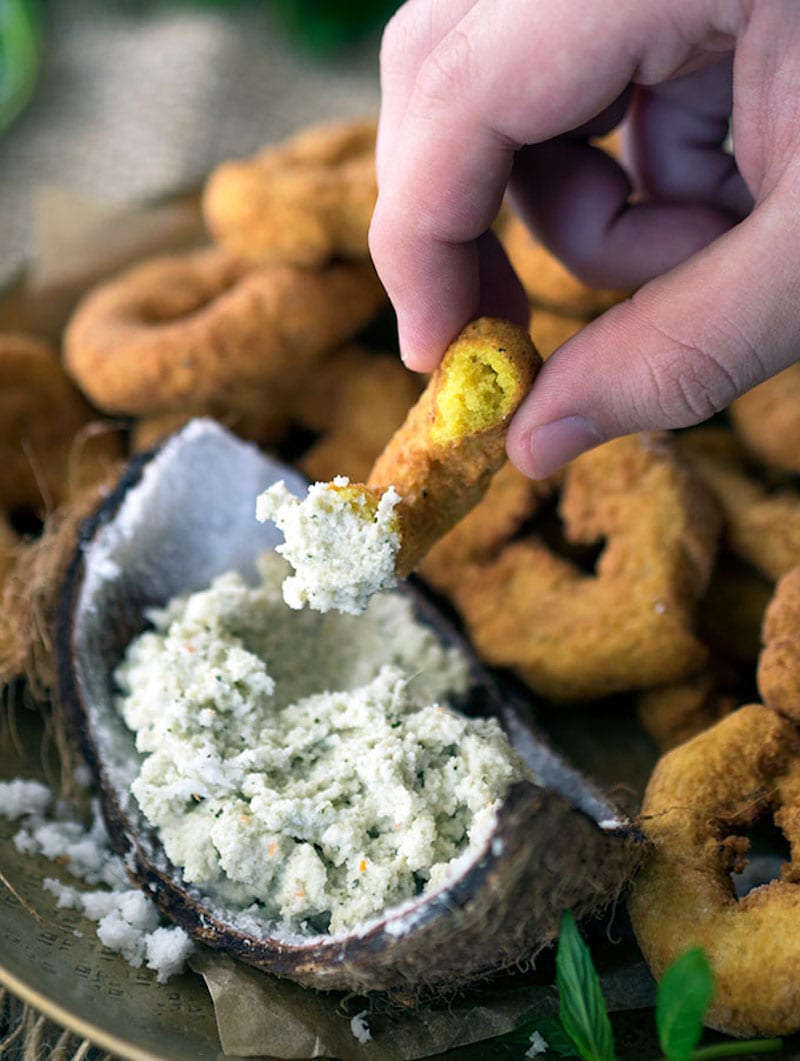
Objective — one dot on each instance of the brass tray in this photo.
(52, 959)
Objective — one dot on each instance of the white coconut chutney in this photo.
(306, 764)
(341, 540)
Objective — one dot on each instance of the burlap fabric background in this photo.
(139, 100)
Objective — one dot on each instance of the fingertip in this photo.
(539, 451)
(421, 347)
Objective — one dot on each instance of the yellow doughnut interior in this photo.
(480, 388)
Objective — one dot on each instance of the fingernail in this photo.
(552, 445)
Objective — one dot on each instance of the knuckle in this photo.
(447, 72)
(690, 378)
(397, 37)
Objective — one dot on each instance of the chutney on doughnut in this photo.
(346, 541)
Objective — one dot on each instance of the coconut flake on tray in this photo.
(128, 922)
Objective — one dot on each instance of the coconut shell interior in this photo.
(180, 516)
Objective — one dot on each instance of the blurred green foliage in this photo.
(327, 24)
(322, 25)
(19, 56)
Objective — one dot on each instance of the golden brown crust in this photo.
(355, 400)
(702, 798)
(672, 714)
(761, 525)
(732, 611)
(550, 330)
(202, 331)
(767, 420)
(577, 635)
(778, 674)
(477, 539)
(547, 282)
(303, 202)
(51, 442)
(440, 480)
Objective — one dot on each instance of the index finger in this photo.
(505, 75)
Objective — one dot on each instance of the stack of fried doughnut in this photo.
(237, 328)
(661, 570)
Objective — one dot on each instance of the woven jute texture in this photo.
(140, 100)
(26, 1035)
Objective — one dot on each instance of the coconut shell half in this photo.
(182, 515)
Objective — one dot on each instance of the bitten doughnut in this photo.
(700, 802)
(205, 332)
(573, 634)
(443, 458)
(48, 450)
(355, 401)
(304, 201)
(512, 498)
(348, 540)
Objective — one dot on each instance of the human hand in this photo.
(480, 96)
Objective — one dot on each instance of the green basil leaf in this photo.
(583, 1008)
(684, 994)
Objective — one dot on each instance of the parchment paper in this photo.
(259, 1015)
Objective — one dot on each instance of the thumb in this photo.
(682, 348)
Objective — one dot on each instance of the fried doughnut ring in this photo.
(778, 673)
(550, 330)
(304, 202)
(672, 714)
(547, 282)
(355, 401)
(575, 636)
(267, 426)
(729, 620)
(47, 448)
(348, 540)
(203, 331)
(767, 420)
(442, 459)
(476, 539)
(761, 526)
(701, 798)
